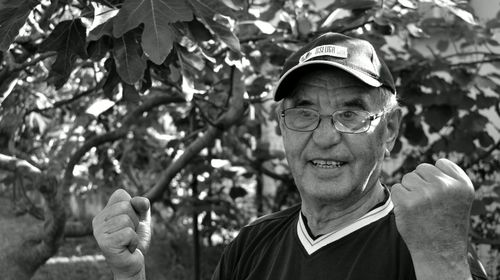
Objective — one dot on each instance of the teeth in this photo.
(327, 163)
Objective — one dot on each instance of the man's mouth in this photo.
(327, 163)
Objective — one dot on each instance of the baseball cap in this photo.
(353, 55)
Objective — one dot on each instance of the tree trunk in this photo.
(14, 236)
(25, 242)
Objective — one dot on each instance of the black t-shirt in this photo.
(278, 247)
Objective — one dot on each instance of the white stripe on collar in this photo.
(311, 245)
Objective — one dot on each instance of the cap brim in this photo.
(367, 79)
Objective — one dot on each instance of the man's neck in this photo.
(327, 217)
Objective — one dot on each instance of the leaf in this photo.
(236, 192)
(158, 48)
(485, 82)
(416, 31)
(264, 26)
(99, 107)
(13, 15)
(463, 14)
(127, 53)
(414, 132)
(304, 25)
(442, 45)
(386, 29)
(463, 142)
(483, 102)
(98, 49)
(112, 79)
(210, 8)
(485, 140)
(68, 40)
(473, 122)
(493, 42)
(463, 102)
(105, 29)
(226, 35)
(36, 120)
(354, 4)
(493, 23)
(478, 208)
(257, 85)
(440, 146)
(272, 9)
(437, 116)
(175, 74)
(497, 190)
(156, 15)
(407, 4)
(199, 31)
(102, 23)
(397, 146)
(146, 81)
(130, 94)
(206, 10)
(191, 62)
(231, 5)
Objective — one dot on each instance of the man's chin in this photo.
(330, 192)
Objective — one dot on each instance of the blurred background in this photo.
(172, 99)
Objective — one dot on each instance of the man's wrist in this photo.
(441, 266)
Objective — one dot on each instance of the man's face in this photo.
(329, 166)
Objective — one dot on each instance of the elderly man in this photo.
(339, 119)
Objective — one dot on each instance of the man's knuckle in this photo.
(129, 232)
(122, 219)
(122, 207)
(408, 178)
(423, 167)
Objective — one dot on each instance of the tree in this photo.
(168, 97)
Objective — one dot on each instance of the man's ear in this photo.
(393, 121)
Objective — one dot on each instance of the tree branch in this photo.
(78, 229)
(32, 61)
(149, 104)
(14, 164)
(459, 64)
(55, 219)
(231, 116)
(470, 53)
(116, 134)
(477, 238)
(66, 101)
(89, 144)
(189, 153)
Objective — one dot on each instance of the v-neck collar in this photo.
(312, 245)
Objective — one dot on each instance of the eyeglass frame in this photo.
(371, 117)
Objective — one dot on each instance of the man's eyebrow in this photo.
(299, 100)
(356, 103)
(302, 102)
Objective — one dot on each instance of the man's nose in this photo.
(326, 134)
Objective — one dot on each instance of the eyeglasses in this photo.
(346, 121)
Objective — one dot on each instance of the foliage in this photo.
(171, 98)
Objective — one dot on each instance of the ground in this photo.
(77, 259)
(80, 259)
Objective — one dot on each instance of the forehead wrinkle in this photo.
(304, 86)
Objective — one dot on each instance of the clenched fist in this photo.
(123, 231)
(432, 207)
